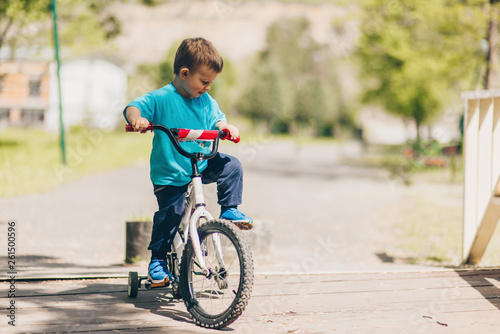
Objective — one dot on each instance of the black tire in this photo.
(173, 265)
(133, 284)
(228, 289)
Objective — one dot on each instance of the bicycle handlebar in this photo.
(176, 135)
(187, 134)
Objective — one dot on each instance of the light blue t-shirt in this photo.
(165, 106)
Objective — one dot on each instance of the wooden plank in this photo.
(495, 166)
(83, 289)
(133, 313)
(403, 310)
(395, 302)
(484, 157)
(480, 94)
(485, 231)
(379, 276)
(471, 130)
(365, 307)
(97, 292)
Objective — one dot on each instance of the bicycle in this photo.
(214, 274)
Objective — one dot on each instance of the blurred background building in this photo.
(24, 93)
(93, 90)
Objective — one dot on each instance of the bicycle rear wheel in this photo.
(219, 299)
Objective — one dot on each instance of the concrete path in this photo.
(320, 214)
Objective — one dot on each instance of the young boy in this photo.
(185, 103)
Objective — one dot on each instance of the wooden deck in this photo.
(411, 302)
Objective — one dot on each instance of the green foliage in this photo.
(20, 20)
(83, 24)
(405, 162)
(416, 54)
(162, 73)
(431, 148)
(262, 100)
(150, 3)
(86, 25)
(223, 88)
(292, 84)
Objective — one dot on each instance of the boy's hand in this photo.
(232, 130)
(139, 124)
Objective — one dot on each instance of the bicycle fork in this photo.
(201, 212)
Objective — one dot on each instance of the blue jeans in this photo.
(224, 169)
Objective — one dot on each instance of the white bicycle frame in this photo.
(190, 223)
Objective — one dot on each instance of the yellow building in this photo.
(24, 93)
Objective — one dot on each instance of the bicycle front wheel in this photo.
(219, 299)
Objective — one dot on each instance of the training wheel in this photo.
(133, 284)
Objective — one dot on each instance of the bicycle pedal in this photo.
(243, 225)
(166, 282)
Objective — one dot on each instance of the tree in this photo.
(16, 15)
(262, 100)
(415, 54)
(223, 87)
(84, 24)
(490, 80)
(87, 24)
(292, 84)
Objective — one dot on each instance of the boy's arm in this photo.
(233, 131)
(133, 115)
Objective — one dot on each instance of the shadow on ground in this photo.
(486, 282)
(39, 267)
(104, 306)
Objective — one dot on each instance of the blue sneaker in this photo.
(158, 272)
(239, 219)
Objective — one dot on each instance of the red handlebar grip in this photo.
(129, 128)
(225, 136)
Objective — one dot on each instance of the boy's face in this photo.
(198, 82)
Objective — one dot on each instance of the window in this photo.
(35, 85)
(4, 115)
(33, 116)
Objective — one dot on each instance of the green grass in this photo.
(431, 233)
(30, 160)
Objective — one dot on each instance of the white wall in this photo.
(93, 92)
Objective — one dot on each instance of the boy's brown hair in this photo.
(196, 52)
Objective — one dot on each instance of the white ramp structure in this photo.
(481, 172)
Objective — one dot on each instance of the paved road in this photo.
(323, 215)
